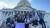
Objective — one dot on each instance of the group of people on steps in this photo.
(26, 18)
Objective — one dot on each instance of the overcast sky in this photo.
(37, 4)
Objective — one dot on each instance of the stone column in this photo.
(8, 13)
(3, 12)
(17, 11)
(13, 13)
(23, 12)
(20, 12)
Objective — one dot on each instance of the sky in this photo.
(37, 4)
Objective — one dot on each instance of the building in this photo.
(22, 7)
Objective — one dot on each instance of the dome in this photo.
(23, 3)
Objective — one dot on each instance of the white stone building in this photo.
(22, 7)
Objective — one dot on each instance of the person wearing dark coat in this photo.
(9, 22)
(27, 18)
(41, 16)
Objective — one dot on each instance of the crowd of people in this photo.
(26, 18)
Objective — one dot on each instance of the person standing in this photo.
(27, 21)
(20, 22)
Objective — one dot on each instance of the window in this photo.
(24, 11)
(18, 12)
(21, 11)
(27, 11)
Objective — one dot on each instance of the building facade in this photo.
(22, 7)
